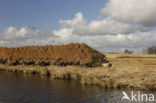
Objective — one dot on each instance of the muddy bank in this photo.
(62, 55)
(100, 76)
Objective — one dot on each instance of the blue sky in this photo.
(39, 13)
(115, 25)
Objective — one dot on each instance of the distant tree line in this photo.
(128, 51)
(151, 50)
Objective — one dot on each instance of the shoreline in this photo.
(100, 76)
(130, 71)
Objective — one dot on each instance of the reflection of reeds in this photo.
(87, 76)
(135, 74)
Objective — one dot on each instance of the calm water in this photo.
(21, 88)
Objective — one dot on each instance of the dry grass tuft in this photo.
(127, 71)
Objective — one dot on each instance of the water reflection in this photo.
(20, 88)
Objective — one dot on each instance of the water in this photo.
(22, 88)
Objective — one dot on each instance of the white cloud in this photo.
(108, 26)
(79, 26)
(28, 35)
(132, 11)
(115, 35)
(126, 27)
(63, 33)
(13, 33)
(116, 43)
(77, 21)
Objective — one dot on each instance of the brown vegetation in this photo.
(127, 71)
(62, 55)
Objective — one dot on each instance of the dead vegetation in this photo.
(61, 55)
(136, 72)
(126, 70)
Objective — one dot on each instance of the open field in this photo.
(127, 71)
(118, 56)
(134, 70)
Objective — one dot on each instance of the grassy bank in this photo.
(135, 72)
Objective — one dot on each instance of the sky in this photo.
(41, 13)
(106, 25)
